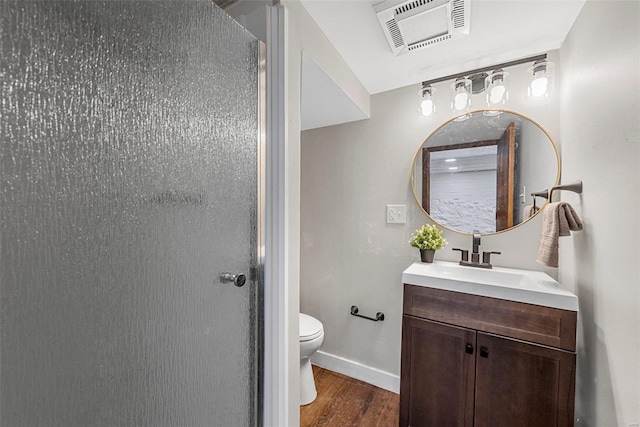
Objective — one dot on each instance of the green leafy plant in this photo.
(428, 237)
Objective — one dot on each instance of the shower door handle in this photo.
(237, 279)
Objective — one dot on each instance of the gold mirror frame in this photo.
(419, 150)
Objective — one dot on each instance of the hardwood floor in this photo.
(344, 401)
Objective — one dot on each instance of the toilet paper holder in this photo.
(379, 315)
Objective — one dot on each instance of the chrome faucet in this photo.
(475, 254)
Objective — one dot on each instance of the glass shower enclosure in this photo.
(128, 215)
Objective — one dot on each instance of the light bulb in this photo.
(460, 101)
(497, 93)
(539, 86)
(427, 107)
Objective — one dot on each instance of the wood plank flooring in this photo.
(344, 401)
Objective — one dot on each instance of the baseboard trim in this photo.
(357, 370)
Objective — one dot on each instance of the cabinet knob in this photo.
(469, 349)
(484, 352)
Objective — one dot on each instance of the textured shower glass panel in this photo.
(129, 157)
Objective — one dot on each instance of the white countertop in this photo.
(528, 286)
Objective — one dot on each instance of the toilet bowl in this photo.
(311, 336)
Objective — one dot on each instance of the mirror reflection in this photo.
(478, 174)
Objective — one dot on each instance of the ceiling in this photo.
(501, 31)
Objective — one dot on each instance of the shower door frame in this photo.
(261, 224)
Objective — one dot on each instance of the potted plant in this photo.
(428, 239)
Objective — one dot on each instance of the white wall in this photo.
(303, 37)
(349, 255)
(600, 133)
(292, 208)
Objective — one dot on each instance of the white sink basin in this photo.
(532, 287)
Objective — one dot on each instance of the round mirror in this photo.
(477, 172)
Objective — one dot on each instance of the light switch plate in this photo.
(396, 214)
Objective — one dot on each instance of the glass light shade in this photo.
(461, 95)
(541, 83)
(497, 93)
(426, 100)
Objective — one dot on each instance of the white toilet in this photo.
(311, 336)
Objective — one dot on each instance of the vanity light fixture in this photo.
(493, 81)
(461, 96)
(541, 83)
(426, 100)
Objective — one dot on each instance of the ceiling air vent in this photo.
(394, 32)
(418, 24)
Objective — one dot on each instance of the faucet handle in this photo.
(464, 252)
(486, 256)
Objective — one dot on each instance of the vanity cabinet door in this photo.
(437, 374)
(523, 384)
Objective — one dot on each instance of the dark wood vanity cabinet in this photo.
(476, 361)
(437, 379)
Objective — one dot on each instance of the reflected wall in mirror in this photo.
(479, 173)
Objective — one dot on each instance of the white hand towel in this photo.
(559, 220)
